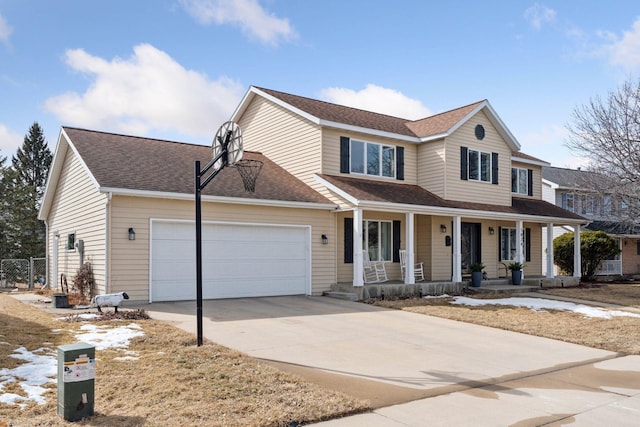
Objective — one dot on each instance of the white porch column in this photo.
(358, 262)
(549, 248)
(409, 276)
(577, 257)
(520, 243)
(457, 249)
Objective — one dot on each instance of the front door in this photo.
(470, 244)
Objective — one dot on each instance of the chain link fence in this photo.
(23, 273)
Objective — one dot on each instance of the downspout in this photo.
(46, 253)
(107, 246)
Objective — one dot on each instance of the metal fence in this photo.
(23, 273)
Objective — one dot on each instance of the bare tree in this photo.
(607, 132)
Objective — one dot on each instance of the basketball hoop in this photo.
(249, 171)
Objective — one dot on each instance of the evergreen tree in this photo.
(25, 185)
(3, 209)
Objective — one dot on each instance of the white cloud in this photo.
(538, 14)
(147, 92)
(623, 52)
(252, 19)
(379, 99)
(9, 142)
(5, 30)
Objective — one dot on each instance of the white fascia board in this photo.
(502, 128)
(550, 184)
(64, 144)
(218, 199)
(340, 192)
(529, 161)
(286, 106)
(467, 213)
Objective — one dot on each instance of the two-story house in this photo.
(586, 193)
(339, 185)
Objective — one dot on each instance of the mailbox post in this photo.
(76, 381)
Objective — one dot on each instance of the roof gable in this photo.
(339, 116)
(136, 165)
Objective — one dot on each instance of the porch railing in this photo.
(610, 267)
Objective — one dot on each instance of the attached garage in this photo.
(238, 260)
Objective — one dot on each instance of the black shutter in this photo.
(530, 182)
(400, 163)
(464, 163)
(348, 240)
(344, 155)
(494, 168)
(499, 243)
(527, 244)
(396, 241)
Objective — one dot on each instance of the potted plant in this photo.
(476, 273)
(516, 272)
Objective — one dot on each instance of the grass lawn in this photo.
(620, 334)
(172, 383)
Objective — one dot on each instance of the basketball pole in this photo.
(199, 186)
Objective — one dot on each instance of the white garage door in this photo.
(238, 260)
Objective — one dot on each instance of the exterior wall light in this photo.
(325, 239)
(492, 231)
(132, 234)
(443, 228)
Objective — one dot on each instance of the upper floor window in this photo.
(372, 159)
(519, 181)
(478, 165)
(567, 201)
(588, 205)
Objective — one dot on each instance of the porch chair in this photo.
(373, 271)
(418, 267)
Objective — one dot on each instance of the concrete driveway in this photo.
(439, 366)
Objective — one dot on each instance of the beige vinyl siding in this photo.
(423, 243)
(77, 207)
(287, 139)
(130, 259)
(431, 167)
(331, 154)
(630, 257)
(476, 191)
(441, 257)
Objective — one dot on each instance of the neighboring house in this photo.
(451, 189)
(582, 192)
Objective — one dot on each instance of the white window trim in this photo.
(381, 148)
(480, 153)
(365, 237)
(513, 250)
(526, 187)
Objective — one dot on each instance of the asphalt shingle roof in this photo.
(428, 126)
(391, 192)
(136, 163)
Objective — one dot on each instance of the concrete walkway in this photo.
(419, 370)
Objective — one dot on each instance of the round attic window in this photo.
(480, 132)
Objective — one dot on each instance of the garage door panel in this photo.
(238, 261)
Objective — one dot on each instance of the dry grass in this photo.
(620, 334)
(173, 383)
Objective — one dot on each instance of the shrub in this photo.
(595, 247)
(83, 282)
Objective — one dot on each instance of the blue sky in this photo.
(176, 69)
